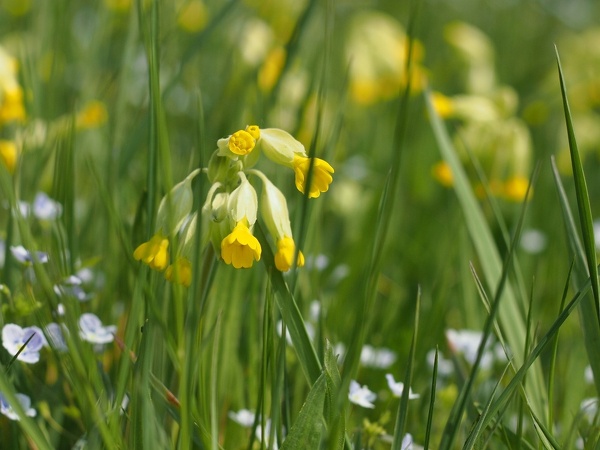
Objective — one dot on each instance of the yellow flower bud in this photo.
(155, 252)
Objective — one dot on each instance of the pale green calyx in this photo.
(280, 146)
(243, 202)
(176, 205)
(274, 208)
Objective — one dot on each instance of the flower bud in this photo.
(176, 205)
(280, 146)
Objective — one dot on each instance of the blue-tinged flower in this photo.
(8, 411)
(26, 257)
(44, 208)
(397, 387)
(361, 395)
(28, 340)
(377, 358)
(92, 330)
(55, 333)
(71, 287)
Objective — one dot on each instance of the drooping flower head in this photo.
(180, 272)
(240, 248)
(321, 175)
(155, 252)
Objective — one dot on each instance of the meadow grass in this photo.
(442, 292)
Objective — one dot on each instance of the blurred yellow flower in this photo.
(118, 5)
(240, 248)
(443, 174)
(254, 131)
(192, 17)
(321, 175)
(180, 272)
(93, 114)
(8, 154)
(515, 188)
(155, 252)
(442, 105)
(376, 49)
(271, 69)
(284, 257)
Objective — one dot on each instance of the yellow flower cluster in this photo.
(231, 208)
(12, 108)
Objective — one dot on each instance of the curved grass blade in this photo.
(510, 309)
(583, 200)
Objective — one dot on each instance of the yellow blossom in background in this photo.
(443, 174)
(11, 93)
(155, 252)
(515, 188)
(92, 115)
(17, 8)
(284, 257)
(192, 16)
(240, 248)
(271, 69)
(8, 154)
(118, 5)
(180, 272)
(442, 104)
(376, 50)
(321, 175)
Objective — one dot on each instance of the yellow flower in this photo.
(286, 248)
(442, 104)
(192, 17)
(271, 69)
(8, 154)
(241, 142)
(254, 131)
(92, 115)
(515, 188)
(180, 272)
(240, 248)
(12, 105)
(443, 174)
(321, 175)
(155, 252)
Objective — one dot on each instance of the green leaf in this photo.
(306, 431)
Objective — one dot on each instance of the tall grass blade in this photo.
(583, 200)
(510, 313)
(400, 426)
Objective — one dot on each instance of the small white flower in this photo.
(466, 342)
(44, 208)
(361, 395)
(24, 256)
(588, 375)
(397, 387)
(30, 339)
(92, 330)
(243, 417)
(267, 432)
(407, 442)
(445, 367)
(71, 287)
(589, 407)
(8, 410)
(533, 241)
(377, 358)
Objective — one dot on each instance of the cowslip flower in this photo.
(28, 341)
(276, 216)
(92, 330)
(8, 411)
(361, 395)
(240, 248)
(397, 387)
(180, 272)
(240, 143)
(155, 252)
(281, 147)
